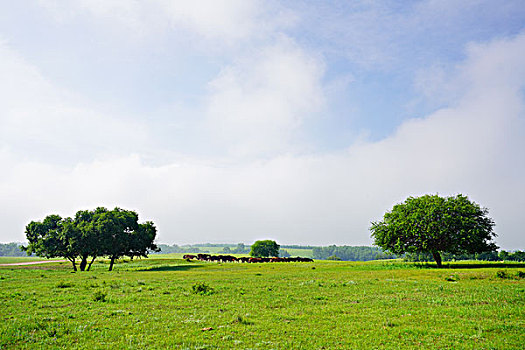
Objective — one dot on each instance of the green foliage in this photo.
(433, 224)
(512, 256)
(350, 253)
(334, 257)
(264, 248)
(100, 296)
(101, 232)
(202, 288)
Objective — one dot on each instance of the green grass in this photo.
(163, 302)
(19, 259)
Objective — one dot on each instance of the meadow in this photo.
(166, 302)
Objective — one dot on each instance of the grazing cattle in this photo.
(227, 258)
(203, 257)
(244, 259)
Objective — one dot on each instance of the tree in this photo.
(435, 225)
(100, 232)
(264, 249)
(122, 235)
(53, 237)
(90, 236)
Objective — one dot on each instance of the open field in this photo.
(19, 259)
(150, 303)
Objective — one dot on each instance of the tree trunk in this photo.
(83, 262)
(437, 258)
(73, 262)
(111, 263)
(89, 267)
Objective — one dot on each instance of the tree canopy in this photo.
(100, 232)
(264, 249)
(434, 224)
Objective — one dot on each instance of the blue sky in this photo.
(230, 121)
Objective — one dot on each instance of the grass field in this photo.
(164, 302)
(19, 259)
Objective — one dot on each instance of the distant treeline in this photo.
(169, 249)
(350, 253)
(333, 252)
(240, 248)
(298, 246)
(11, 249)
(486, 256)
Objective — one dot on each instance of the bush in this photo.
(334, 257)
(202, 288)
(502, 274)
(99, 296)
(63, 284)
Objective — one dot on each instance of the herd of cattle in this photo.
(229, 258)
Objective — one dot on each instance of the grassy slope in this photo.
(317, 305)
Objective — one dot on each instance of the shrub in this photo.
(63, 284)
(452, 278)
(202, 288)
(502, 274)
(99, 296)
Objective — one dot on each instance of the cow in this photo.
(203, 257)
(189, 257)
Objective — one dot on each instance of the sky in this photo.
(237, 120)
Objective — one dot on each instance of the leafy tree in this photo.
(100, 232)
(122, 235)
(517, 256)
(264, 249)
(435, 225)
(53, 237)
(503, 255)
(88, 245)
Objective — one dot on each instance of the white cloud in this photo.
(41, 120)
(258, 103)
(473, 147)
(227, 22)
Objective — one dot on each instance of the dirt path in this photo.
(32, 262)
